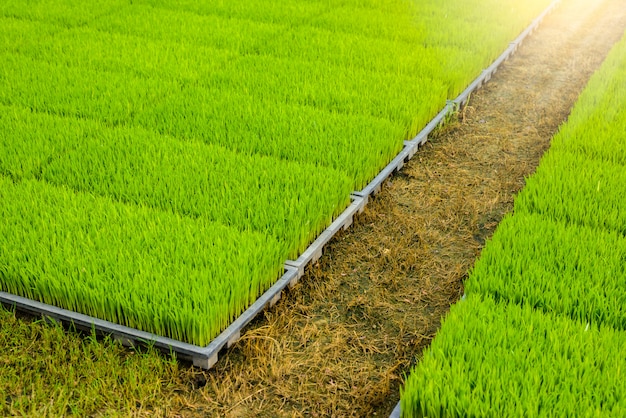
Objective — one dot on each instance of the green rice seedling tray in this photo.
(502, 359)
(314, 251)
(203, 357)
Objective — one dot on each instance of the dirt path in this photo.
(339, 343)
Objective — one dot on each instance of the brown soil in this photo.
(341, 341)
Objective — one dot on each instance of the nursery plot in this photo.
(291, 13)
(41, 137)
(350, 50)
(576, 189)
(230, 117)
(114, 97)
(239, 35)
(357, 145)
(288, 201)
(93, 50)
(606, 125)
(347, 18)
(456, 55)
(65, 13)
(566, 269)
(501, 360)
(17, 34)
(144, 268)
(340, 89)
(258, 116)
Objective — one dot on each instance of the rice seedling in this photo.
(497, 359)
(64, 13)
(163, 24)
(95, 50)
(551, 266)
(288, 201)
(112, 97)
(252, 119)
(576, 189)
(359, 144)
(148, 269)
(20, 35)
(41, 137)
(356, 145)
(606, 124)
(290, 13)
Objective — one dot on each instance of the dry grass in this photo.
(339, 343)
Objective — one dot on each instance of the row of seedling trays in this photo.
(206, 357)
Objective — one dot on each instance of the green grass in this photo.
(105, 379)
(186, 141)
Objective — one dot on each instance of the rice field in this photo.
(542, 330)
(502, 359)
(159, 161)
